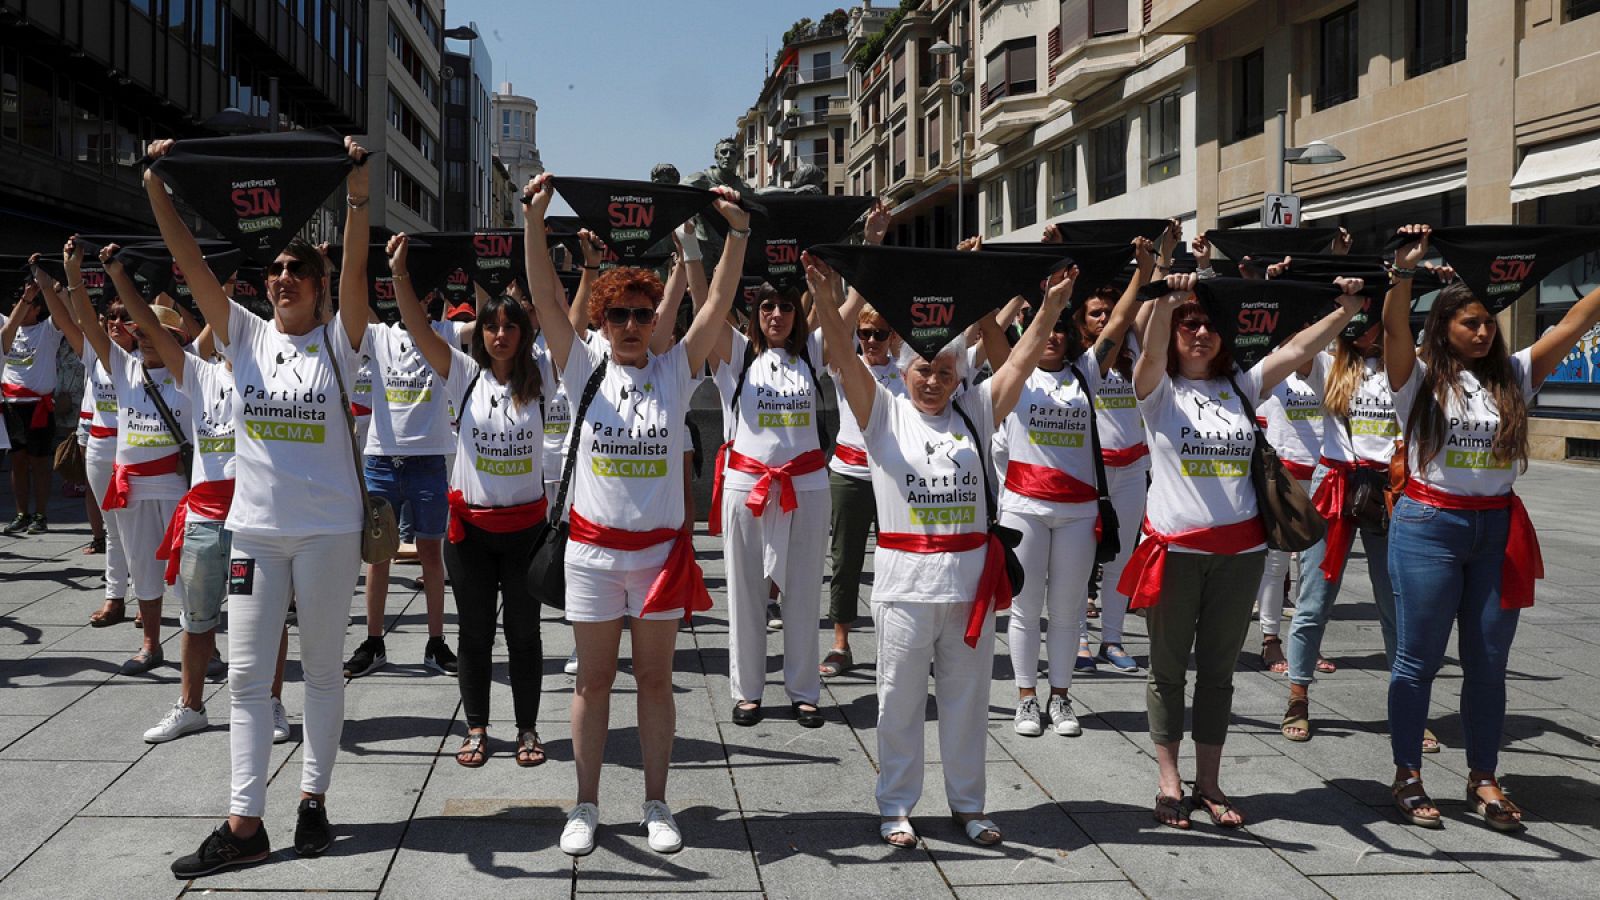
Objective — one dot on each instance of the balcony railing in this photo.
(805, 119)
(798, 77)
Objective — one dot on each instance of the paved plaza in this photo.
(89, 810)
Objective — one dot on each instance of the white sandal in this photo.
(887, 830)
(977, 828)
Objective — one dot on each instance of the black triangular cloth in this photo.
(1238, 243)
(1099, 265)
(1502, 262)
(1110, 231)
(788, 225)
(1255, 316)
(631, 216)
(491, 258)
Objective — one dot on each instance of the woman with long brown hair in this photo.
(1461, 546)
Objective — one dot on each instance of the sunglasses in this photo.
(619, 315)
(117, 318)
(872, 334)
(1193, 326)
(782, 306)
(294, 268)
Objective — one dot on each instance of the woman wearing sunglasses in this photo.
(296, 513)
(629, 554)
(1204, 546)
(1052, 499)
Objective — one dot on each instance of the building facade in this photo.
(802, 113)
(516, 140)
(405, 100)
(467, 181)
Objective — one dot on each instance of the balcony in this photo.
(839, 109)
(1190, 16)
(793, 163)
(798, 121)
(1004, 118)
(796, 78)
(1087, 65)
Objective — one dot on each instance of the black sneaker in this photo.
(438, 656)
(38, 525)
(18, 525)
(221, 850)
(311, 832)
(368, 657)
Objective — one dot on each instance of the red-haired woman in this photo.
(1461, 548)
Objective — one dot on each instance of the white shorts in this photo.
(605, 595)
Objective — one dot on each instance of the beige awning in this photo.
(1558, 168)
(1384, 193)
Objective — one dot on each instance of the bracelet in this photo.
(590, 268)
(354, 203)
(75, 287)
(1398, 273)
(739, 232)
(1207, 272)
(398, 276)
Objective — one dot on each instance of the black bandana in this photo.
(154, 271)
(1502, 262)
(250, 290)
(1110, 231)
(790, 225)
(1273, 243)
(631, 216)
(259, 189)
(492, 259)
(1098, 265)
(930, 296)
(1255, 316)
(380, 283)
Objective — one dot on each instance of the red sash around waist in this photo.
(42, 410)
(211, 499)
(495, 519)
(117, 492)
(727, 457)
(681, 584)
(1142, 577)
(1127, 456)
(1524, 562)
(994, 586)
(101, 431)
(1329, 501)
(84, 414)
(850, 456)
(1301, 471)
(1047, 483)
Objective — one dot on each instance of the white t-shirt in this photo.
(1372, 421)
(31, 361)
(1050, 427)
(778, 410)
(500, 445)
(295, 472)
(1294, 413)
(1200, 441)
(99, 393)
(629, 471)
(1465, 465)
(209, 387)
(410, 415)
(1117, 410)
(142, 435)
(927, 478)
(889, 378)
(361, 390)
(557, 411)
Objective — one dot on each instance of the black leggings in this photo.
(484, 568)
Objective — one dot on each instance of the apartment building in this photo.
(802, 111)
(403, 118)
(516, 139)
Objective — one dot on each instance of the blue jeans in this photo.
(1314, 603)
(1447, 571)
(416, 481)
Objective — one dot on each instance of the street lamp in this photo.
(1315, 153)
(959, 89)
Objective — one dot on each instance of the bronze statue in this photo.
(725, 171)
(665, 173)
(808, 181)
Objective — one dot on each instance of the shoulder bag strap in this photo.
(1094, 436)
(983, 463)
(167, 418)
(738, 384)
(574, 434)
(466, 397)
(349, 417)
(816, 393)
(1249, 410)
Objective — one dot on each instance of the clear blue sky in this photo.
(625, 84)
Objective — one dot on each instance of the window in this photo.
(838, 146)
(993, 199)
(1025, 195)
(1577, 9)
(1012, 70)
(90, 130)
(177, 14)
(819, 153)
(1063, 180)
(10, 93)
(456, 90)
(1084, 19)
(1248, 95)
(898, 75)
(1340, 59)
(1161, 138)
(935, 125)
(1438, 35)
(409, 124)
(898, 153)
(505, 124)
(821, 66)
(1110, 160)
(411, 193)
(38, 105)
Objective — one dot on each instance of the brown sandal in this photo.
(115, 612)
(1502, 814)
(474, 751)
(1219, 810)
(1326, 666)
(1177, 808)
(530, 752)
(1411, 805)
(1298, 715)
(1272, 655)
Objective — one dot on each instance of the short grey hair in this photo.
(957, 346)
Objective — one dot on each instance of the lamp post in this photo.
(959, 89)
(1314, 153)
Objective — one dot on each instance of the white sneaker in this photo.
(1062, 716)
(180, 720)
(280, 722)
(1027, 722)
(661, 828)
(571, 668)
(774, 616)
(577, 839)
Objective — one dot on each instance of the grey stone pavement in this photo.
(88, 810)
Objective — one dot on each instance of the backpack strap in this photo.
(574, 430)
(816, 388)
(1094, 436)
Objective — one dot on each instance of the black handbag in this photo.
(1009, 538)
(1364, 497)
(1110, 543)
(1292, 523)
(547, 564)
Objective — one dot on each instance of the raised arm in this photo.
(1399, 350)
(88, 321)
(1555, 344)
(434, 349)
(594, 252)
(860, 388)
(1006, 385)
(1299, 350)
(166, 346)
(667, 312)
(354, 311)
(1151, 366)
(559, 331)
(203, 284)
(59, 311)
(1109, 345)
(709, 320)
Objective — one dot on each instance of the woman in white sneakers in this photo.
(296, 514)
(1051, 497)
(629, 554)
(932, 604)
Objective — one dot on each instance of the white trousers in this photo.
(1057, 555)
(142, 524)
(99, 469)
(1270, 595)
(788, 548)
(911, 637)
(1127, 487)
(319, 572)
